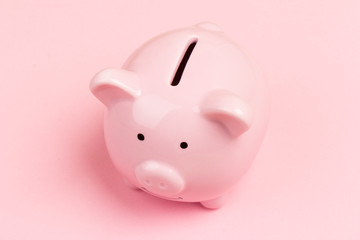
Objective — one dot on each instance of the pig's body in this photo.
(189, 140)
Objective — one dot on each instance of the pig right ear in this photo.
(229, 110)
(111, 84)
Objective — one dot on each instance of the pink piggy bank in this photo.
(185, 115)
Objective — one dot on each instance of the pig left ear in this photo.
(111, 85)
(229, 110)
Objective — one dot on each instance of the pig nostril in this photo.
(159, 179)
(148, 182)
(162, 185)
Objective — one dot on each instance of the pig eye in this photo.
(141, 137)
(183, 145)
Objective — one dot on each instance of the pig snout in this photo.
(159, 178)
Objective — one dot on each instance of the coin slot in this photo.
(182, 65)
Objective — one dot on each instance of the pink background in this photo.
(57, 181)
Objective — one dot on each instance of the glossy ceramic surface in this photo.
(185, 116)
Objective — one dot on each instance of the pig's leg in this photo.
(215, 203)
(131, 186)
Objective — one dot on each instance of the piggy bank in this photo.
(185, 115)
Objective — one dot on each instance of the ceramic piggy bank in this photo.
(185, 115)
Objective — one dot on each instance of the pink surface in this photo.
(218, 108)
(56, 179)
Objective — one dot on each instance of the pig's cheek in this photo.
(121, 136)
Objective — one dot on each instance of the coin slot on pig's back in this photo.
(185, 58)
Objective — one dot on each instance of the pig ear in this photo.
(111, 84)
(229, 110)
